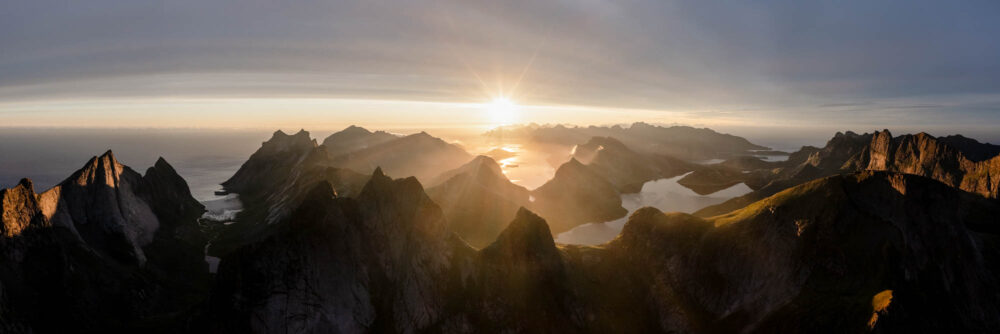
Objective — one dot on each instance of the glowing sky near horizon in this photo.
(845, 65)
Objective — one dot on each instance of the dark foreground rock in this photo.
(106, 249)
(863, 252)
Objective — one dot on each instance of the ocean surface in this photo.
(204, 158)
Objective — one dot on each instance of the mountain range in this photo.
(919, 154)
(377, 232)
(869, 251)
(682, 142)
(106, 249)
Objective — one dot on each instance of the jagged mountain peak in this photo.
(27, 184)
(103, 169)
(378, 173)
(526, 237)
(284, 142)
(281, 135)
(161, 162)
(381, 187)
(19, 208)
(104, 247)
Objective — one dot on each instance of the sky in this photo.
(824, 65)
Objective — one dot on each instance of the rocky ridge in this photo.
(106, 248)
(818, 257)
(919, 154)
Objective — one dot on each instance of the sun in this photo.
(502, 111)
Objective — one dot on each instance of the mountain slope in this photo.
(478, 200)
(354, 138)
(577, 195)
(420, 155)
(626, 169)
(107, 248)
(274, 181)
(815, 257)
(270, 163)
(340, 264)
(853, 253)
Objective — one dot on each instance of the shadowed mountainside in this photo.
(275, 180)
(478, 200)
(107, 248)
(577, 195)
(626, 169)
(882, 251)
(325, 249)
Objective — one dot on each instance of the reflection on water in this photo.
(529, 168)
(664, 194)
(774, 157)
(710, 161)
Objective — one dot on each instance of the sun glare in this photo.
(502, 111)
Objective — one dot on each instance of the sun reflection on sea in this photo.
(524, 167)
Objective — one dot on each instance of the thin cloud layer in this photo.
(767, 60)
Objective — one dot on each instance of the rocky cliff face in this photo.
(341, 265)
(577, 195)
(100, 202)
(478, 200)
(385, 262)
(274, 181)
(271, 163)
(817, 257)
(919, 154)
(924, 155)
(106, 248)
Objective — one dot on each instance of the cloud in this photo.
(785, 56)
